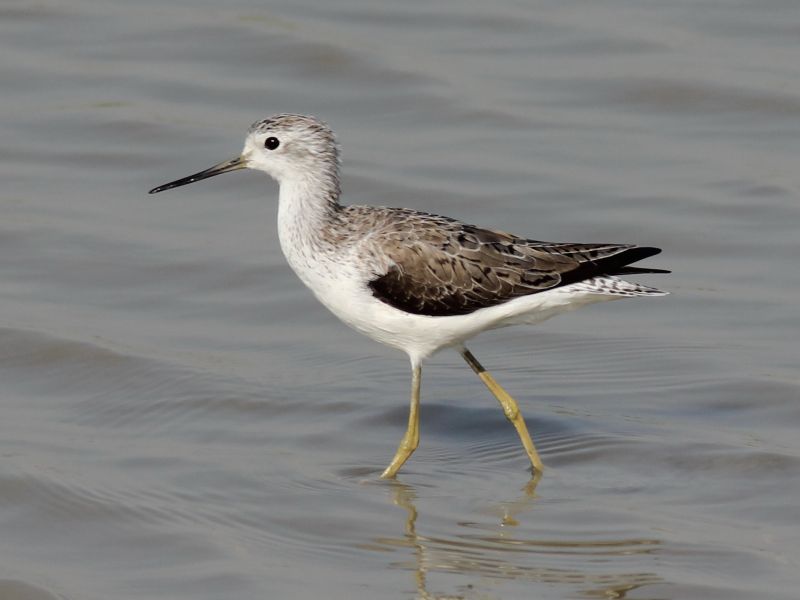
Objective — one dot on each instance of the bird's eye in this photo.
(271, 143)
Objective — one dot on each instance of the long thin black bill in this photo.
(223, 167)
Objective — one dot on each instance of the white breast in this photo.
(338, 274)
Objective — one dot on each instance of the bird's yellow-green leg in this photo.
(410, 440)
(510, 408)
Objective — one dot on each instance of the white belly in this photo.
(339, 279)
(342, 288)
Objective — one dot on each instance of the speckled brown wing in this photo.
(438, 266)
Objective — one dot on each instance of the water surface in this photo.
(181, 419)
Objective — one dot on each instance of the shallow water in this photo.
(181, 419)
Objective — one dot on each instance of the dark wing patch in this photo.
(461, 268)
(442, 298)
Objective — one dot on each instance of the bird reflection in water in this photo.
(499, 554)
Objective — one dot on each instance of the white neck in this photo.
(308, 199)
(307, 205)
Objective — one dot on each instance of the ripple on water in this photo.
(181, 420)
(11, 589)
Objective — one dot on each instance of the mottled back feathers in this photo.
(438, 266)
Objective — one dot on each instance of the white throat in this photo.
(307, 206)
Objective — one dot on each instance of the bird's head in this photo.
(285, 146)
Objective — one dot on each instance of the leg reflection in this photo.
(480, 555)
(445, 555)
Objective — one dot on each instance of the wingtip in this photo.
(638, 253)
